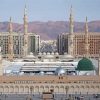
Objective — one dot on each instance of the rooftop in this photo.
(48, 79)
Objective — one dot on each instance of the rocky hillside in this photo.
(50, 29)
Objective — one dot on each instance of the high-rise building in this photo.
(94, 41)
(62, 43)
(14, 45)
(34, 43)
(79, 44)
(18, 41)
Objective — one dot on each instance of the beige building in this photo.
(58, 84)
(93, 41)
(33, 43)
(16, 44)
(79, 44)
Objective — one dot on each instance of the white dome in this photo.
(48, 53)
(44, 53)
(40, 53)
(60, 71)
(52, 53)
(41, 73)
(31, 53)
(56, 53)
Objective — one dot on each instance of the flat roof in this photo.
(48, 78)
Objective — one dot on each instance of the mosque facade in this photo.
(57, 84)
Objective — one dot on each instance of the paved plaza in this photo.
(56, 97)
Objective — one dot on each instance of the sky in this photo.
(49, 10)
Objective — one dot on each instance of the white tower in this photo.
(25, 47)
(86, 40)
(10, 42)
(1, 67)
(71, 36)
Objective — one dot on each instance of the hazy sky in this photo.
(48, 10)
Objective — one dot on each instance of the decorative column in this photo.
(71, 36)
(25, 47)
(10, 42)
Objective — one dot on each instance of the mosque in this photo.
(50, 72)
(45, 72)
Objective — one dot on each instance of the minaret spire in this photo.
(71, 35)
(25, 47)
(86, 26)
(71, 20)
(86, 39)
(10, 47)
(25, 10)
(25, 20)
(10, 26)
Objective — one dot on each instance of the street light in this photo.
(29, 97)
(66, 89)
(31, 88)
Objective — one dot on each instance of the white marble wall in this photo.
(57, 88)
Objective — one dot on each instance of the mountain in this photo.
(51, 29)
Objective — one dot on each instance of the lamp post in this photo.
(66, 89)
(29, 97)
(31, 90)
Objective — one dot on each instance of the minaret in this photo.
(1, 67)
(71, 26)
(71, 36)
(10, 45)
(86, 39)
(25, 47)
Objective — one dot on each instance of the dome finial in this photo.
(10, 25)
(86, 18)
(71, 10)
(25, 10)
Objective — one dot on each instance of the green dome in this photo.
(85, 65)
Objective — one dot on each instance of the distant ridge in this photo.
(51, 29)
